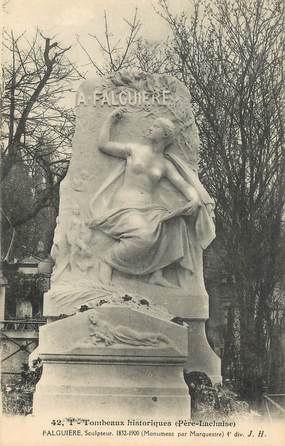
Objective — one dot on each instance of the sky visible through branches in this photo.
(66, 20)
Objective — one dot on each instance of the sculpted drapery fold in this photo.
(171, 235)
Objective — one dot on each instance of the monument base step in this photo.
(115, 361)
(77, 390)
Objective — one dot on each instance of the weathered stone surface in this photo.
(77, 248)
(113, 330)
(127, 357)
(127, 363)
(76, 388)
(201, 357)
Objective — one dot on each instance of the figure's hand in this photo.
(117, 115)
(191, 207)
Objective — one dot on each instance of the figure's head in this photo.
(162, 129)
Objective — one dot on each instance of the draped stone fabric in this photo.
(168, 236)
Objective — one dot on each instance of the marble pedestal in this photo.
(130, 364)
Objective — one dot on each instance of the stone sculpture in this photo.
(110, 334)
(102, 331)
(133, 221)
(145, 216)
(73, 251)
(149, 236)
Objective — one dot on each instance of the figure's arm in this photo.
(110, 147)
(178, 181)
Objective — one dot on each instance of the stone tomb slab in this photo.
(110, 361)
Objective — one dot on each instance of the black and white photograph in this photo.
(142, 279)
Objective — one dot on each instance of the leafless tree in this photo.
(37, 126)
(117, 54)
(134, 52)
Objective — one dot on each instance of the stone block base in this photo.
(78, 389)
(113, 362)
